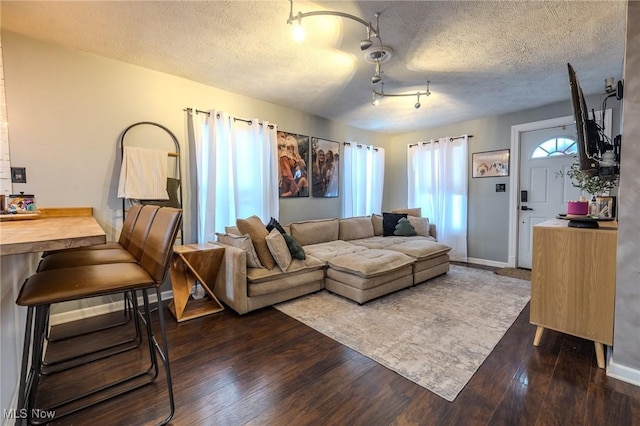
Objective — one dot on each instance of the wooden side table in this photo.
(191, 263)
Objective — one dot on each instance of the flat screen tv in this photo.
(590, 140)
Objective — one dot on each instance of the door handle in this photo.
(525, 208)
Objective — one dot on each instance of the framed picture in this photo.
(490, 163)
(293, 157)
(325, 175)
(606, 207)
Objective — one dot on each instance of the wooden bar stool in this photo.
(66, 284)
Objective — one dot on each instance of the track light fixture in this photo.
(377, 54)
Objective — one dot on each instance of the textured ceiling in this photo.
(482, 57)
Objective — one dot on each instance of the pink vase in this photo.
(580, 208)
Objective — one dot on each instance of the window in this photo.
(555, 147)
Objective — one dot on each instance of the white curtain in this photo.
(437, 182)
(363, 180)
(236, 171)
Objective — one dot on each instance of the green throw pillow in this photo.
(296, 250)
(404, 228)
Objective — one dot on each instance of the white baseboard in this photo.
(486, 262)
(624, 373)
(105, 308)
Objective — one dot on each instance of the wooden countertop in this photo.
(49, 233)
(607, 225)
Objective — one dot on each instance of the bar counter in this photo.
(49, 233)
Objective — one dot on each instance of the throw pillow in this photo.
(273, 223)
(295, 248)
(404, 228)
(376, 220)
(415, 212)
(279, 249)
(242, 242)
(420, 224)
(257, 232)
(389, 222)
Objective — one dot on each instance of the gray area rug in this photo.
(436, 334)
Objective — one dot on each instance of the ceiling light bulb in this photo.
(298, 32)
(365, 44)
(417, 105)
(376, 78)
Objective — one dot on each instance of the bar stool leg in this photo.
(26, 352)
(163, 351)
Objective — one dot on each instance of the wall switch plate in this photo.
(19, 175)
(501, 187)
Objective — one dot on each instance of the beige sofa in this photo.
(349, 257)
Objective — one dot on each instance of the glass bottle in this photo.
(593, 207)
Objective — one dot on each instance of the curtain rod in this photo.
(361, 146)
(451, 139)
(198, 111)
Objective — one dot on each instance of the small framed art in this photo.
(490, 163)
(606, 207)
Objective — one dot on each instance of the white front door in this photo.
(543, 192)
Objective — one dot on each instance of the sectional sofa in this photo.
(351, 257)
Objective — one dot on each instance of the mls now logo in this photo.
(36, 413)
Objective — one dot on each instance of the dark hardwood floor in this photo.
(265, 368)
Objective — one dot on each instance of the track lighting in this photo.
(375, 55)
(367, 42)
(376, 76)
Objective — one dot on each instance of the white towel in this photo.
(143, 175)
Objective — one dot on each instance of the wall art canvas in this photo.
(325, 156)
(293, 157)
(490, 163)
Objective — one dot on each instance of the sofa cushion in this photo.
(329, 250)
(315, 231)
(370, 263)
(420, 224)
(385, 242)
(242, 242)
(376, 221)
(260, 275)
(415, 212)
(355, 228)
(296, 250)
(389, 222)
(279, 249)
(257, 232)
(404, 228)
(420, 249)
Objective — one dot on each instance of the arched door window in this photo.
(556, 147)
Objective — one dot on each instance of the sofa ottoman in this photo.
(365, 275)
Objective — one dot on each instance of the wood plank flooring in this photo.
(265, 368)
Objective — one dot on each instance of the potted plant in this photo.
(593, 185)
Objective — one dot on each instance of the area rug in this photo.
(436, 334)
(523, 274)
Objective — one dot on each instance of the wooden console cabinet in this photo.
(573, 281)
